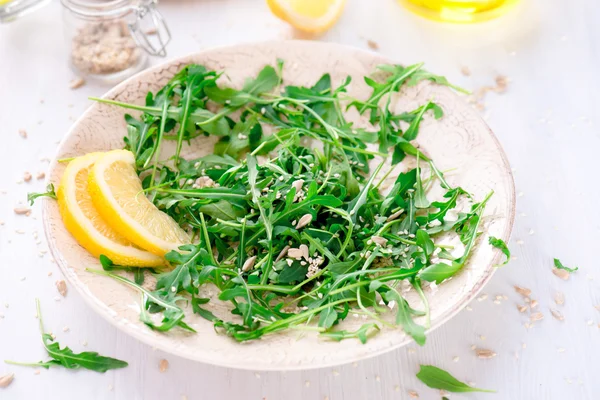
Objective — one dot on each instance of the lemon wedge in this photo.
(312, 16)
(87, 226)
(117, 194)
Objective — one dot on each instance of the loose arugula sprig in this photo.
(31, 197)
(289, 222)
(501, 245)
(437, 378)
(560, 265)
(65, 357)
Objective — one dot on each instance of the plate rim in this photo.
(100, 308)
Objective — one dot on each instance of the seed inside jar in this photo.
(104, 47)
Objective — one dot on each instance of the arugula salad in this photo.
(290, 218)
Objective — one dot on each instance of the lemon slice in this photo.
(313, 16)
(87, 226)
(117, 194)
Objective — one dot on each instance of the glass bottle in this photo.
(459, 11)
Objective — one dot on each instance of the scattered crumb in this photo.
(66, 329)
(49, 273)
(335, 372)
(482, 337)
(377, 378)
(466, 71)
(559, 298)
(561, 349)
(163, 365)
(151, 31)
(23, 133)
(557, 314)
(482, 297)
(469, 308)
(413, 395)
(455, 358)
(521, 308)
(36, 372)
(523, 291)
(537, 316)
(485, 353)
(590, 322)
(373, 45)
(76, 83)
(561, 273)
(473, 347)
(531, 232)
(40, 175)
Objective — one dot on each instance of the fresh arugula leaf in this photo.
(31, 197)
(559, 265)
(361, 333)
(65, 357)
(501, 245)
(437, 378)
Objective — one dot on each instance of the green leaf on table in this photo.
(501, 245)
(559, 265)
(31, 197)
(437, 378)
(65, 357)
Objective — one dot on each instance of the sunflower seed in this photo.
(305, 220)
(379, 240)
(537, 316)
(395, 215)
(163, 365)
(282, 253)
(522, 309)
(294, 253)
(22, 211)
(561, 273)
(304, 250)
(485, 353)
(559, 298)
(248, 264)
(557, 314)
(523, 291)
(6, 380)
(62, 287)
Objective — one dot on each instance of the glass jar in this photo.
(111, 40)
(13, 9)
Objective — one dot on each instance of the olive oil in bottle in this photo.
(459, 11)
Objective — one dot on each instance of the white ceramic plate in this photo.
(460, 140)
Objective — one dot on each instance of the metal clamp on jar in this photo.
(110, 41)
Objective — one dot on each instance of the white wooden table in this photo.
(547, 122)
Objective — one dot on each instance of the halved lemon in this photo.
(117, 194)
(84, 222)
(313, 16)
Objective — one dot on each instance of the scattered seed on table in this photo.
(561, 273)
(76, 83)
(61, 286)
(6, 380)
(163, 365)
(534, 304)
(521, 308)
(413, 395)
(523, 291)
(537, 316)
(485, 353)
(557, 314)
(559, 298)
